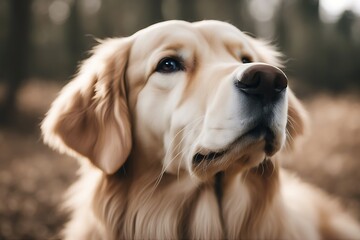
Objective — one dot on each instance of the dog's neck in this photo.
(168, 206)
(247, 198)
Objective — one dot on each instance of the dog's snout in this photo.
(263, 81)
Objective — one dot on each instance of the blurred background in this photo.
(42, 42)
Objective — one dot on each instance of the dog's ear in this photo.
(90, 117)
(297, 120)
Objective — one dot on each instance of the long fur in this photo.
(126, 190)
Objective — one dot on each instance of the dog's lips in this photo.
(199, 157)
(262, 131)
(259, 133)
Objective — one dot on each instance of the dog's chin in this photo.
(244, 153)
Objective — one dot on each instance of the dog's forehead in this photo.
(217, 28)
(184, 33)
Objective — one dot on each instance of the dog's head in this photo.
(197, 97)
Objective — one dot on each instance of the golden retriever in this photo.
(178, 129)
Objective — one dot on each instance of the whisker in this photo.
(263, 169)
(246, 174)
(172, 149)
(293, 124)
(274, 170)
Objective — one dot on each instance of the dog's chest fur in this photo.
(179, 208)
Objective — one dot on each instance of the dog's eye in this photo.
(246, 59)
(169, 65)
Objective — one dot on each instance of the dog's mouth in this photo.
(198, 157)
(261, 132)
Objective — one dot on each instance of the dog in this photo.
(178, 130)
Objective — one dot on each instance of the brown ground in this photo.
(33, 177)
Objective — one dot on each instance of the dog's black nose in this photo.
(262, 81)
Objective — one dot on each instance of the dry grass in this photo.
(329, 156)
(33, 178)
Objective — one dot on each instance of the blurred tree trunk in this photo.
(281, 27)
(232, 8)
(245, 20)
(188, 10)
(310, 9)
(75, 36)
(238, 14)
(345, 24)
(155, 11)
(18, 45)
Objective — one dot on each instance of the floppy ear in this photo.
(90, 116)
(297, 119)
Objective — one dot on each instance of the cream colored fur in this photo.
(136, 129)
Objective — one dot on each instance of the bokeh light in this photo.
(59, 11)
(331, 10)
